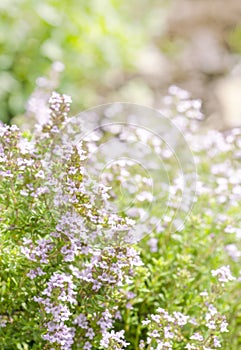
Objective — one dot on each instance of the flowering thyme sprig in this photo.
(73, 276)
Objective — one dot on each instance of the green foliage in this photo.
(234, 39)
(95, 40)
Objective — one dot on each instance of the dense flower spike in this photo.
(59, 106)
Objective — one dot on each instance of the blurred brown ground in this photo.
(203, 62)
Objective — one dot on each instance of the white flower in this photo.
(145, 322)
(180, 318)
(167, 333)
(190, 347)
(223, 327)
(223, 274)
(212, 310)
(211, 325)
(197, 336)
(216, 342)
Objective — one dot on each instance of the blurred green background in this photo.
(121, 50)
(97, 41)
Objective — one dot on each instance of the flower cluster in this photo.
(167, 330)
(223, 274)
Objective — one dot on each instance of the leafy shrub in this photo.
(64, 286)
